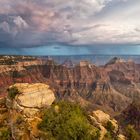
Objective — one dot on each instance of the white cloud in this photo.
(14, 26)
(20, 22)
(108, 33)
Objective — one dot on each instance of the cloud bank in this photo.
(31, 23)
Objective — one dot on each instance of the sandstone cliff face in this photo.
(124, 77)
(87, 82)
(129, 69)
(111, 87)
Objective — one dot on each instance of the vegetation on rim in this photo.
(65, 121)
(12, 92)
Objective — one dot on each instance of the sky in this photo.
(63, 27)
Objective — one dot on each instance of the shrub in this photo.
(110, 135)
(19, 120)
(12, 92)
(4, 134)
(110, 127)
(67, 121)
(131, 133)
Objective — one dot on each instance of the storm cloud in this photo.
(34, 23)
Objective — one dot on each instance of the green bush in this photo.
(19, 120)
(12, 92)
(131, 133)
(67, 121)
(110, 127)
(110, 135)
(4, 134)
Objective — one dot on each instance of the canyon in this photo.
(106, 92)
(112, 86)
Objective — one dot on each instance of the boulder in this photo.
(100, 119)
(100, 116)
(32, 97)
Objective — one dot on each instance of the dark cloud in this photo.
(32, 23)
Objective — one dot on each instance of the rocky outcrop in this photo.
(32, 98)
(23, 111)
(129, 69)
(124, 77)
(115, 60)
(100, 120)
(103, 118)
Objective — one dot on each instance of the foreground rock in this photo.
(101, 119)
(32, 97)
